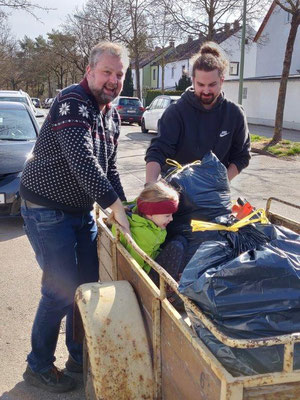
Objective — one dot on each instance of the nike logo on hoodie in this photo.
(224, 133)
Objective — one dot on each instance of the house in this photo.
(271, 39)
(149, 67)
(180, 60)
(260, 92)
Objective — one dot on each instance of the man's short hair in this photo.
(114, 49)
(209, 58)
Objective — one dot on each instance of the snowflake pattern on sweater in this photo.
(74, 160)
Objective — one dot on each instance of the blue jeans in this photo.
(65, 246)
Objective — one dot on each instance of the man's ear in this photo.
(88, 70)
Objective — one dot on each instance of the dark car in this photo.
(18, 133)
(130, 109)
(36, 102)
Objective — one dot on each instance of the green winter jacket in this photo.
(147, 236)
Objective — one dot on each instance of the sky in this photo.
(22, 23)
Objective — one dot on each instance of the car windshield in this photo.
(130, 102)
(16, 125)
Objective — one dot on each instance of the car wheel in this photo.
(143, 127)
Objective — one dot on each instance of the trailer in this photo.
(138, 346)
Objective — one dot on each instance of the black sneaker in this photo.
(52, 380)
(73, 366)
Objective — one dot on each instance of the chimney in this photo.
(236, 24)
(172, 43)
(190, 39)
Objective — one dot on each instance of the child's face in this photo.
(161, 220)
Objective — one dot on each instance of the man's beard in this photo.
(207, 100)
(103, 98)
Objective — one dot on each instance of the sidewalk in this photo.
(268, 131)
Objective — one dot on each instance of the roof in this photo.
(14, 93)
(191, 47)
(151, 56)
(264, 22)
(14, 105)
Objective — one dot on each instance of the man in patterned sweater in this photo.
(73, 165)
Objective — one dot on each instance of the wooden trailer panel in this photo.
(185, 374)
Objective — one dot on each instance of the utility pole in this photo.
(242, 61)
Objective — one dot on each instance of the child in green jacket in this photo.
(148, 219)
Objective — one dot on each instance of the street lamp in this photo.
(242, 54)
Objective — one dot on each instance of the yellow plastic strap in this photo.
(208, 226)
(178, 166)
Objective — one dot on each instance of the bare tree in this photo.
(98, 20)
(162, 33)
(134, 32)
(26, 5)
(206, 17)
(293, 8)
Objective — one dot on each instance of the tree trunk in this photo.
(284, 78)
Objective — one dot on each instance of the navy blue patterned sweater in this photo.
(73, 163)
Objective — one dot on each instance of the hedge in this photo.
(151, 94)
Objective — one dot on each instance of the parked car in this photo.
(153, 113)
(130, 108)
(48, 102)
(36, 102)
(21, 97)
(18, 133)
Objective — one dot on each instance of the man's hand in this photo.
(120, 216)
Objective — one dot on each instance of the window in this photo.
(154, 74)
(159, 103)
(154, 104)
(234, 68)
(130, 102)
(165, 103)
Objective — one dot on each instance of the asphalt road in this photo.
(20, 274)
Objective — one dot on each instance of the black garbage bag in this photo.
(238, 291)
(253, 295)
(243, 362)
(204, 192)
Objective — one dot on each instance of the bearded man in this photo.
(202, 120)
(73, 165)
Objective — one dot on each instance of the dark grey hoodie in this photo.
(187, 131)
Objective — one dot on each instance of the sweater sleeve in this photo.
(73, 126)
(165, 144)
(240, 149)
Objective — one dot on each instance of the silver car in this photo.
(153, 113)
